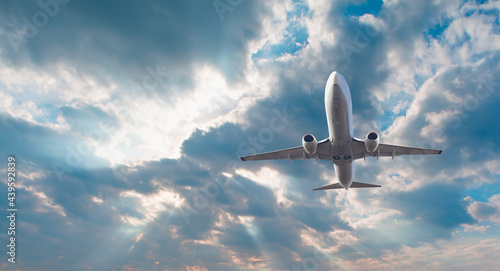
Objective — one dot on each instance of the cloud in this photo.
(446, 211)
(125, 60)
(446, 255)
(486, 211)
(111, 30)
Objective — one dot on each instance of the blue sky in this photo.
(126, 119)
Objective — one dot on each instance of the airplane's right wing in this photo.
(323, 152)
(386, 150)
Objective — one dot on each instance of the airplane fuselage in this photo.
(338, 105)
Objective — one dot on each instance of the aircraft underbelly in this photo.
(339, 124)
(339, 117)
(345, 174)
(337, 110)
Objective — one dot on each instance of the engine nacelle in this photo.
(309, 143)
(371, 142)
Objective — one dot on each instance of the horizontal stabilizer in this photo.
(330, 186)
(353, 185)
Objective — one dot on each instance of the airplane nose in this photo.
(333, 87)
(338, 78)
(335, 78)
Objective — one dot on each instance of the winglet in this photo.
(442, 150)
(241, 157)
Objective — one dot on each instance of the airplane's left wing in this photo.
(323, 152)
(386, 150)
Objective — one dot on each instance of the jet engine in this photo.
(371, 142)
(309, 143)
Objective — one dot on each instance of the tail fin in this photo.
(353, 185)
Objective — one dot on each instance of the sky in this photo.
(126, 119)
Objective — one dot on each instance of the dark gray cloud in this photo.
(483, 211)
(44, 146)
(109, 40)
(441, 206)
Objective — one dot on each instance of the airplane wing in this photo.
(386, 150)
(323, 152)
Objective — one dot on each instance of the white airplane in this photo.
(340, 147)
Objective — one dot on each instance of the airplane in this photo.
(341, 147)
